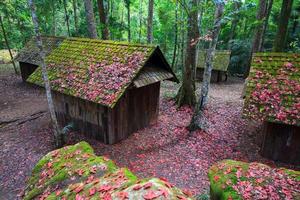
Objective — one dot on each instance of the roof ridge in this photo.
(112, 42)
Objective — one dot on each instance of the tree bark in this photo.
(186, 94)
(103, 19)
(140, 20)
(198, 120)
(90, 19)
(53, 18)
(280, 39)
(7, 45)
(176, 36)
(258, 36)
(150, 22)
(59, 139)
(260, 17)
(234, 23)
(128, 21)
(74, 2)
(67, 17)
(266, 22)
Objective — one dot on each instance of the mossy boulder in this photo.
(231, 179)
(75, 172)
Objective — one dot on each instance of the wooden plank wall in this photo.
(26, 70)
(90, 118)
(136, 110)
(281, 142)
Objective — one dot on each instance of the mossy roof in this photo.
(30, 53)
(273, 88)
(230, 179)
(96, 70)
(220, 62)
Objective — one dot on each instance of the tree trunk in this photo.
(53, 18)
(59, 139)
(150, 22)
(280, 39)
(140, 20)
(67, 17)
(258, 36)
(186, 94)
(260, 17)
(103, 19)
(234, 23)
(176, 35)
(128, 20)
(7, 45)
(75, 16)
(90, 19)
(266, 21)
(198, 120)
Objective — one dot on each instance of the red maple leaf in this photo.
(148, 185)
(137, 187)
(151, 195)
(92, 191)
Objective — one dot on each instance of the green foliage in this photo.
(240, 53)
(51, 14)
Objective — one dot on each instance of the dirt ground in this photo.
(164, 149)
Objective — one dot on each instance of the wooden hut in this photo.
(220, 65)
(107, 89)
(273, 97)
(29, 58)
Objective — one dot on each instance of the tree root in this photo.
(23, 120)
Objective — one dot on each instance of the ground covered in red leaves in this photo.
(164, 149)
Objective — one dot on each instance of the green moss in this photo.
(65, 181)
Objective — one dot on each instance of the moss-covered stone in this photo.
(231, 179)
(75, 172)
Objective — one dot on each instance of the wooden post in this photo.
(7, 45)
(281, 142)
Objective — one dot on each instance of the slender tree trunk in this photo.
(7, 45)
(258, 36)
(198, 120)
(176, 35)
(140, 20)
(261, 16)
(266, 21)
(53, 18)
(186, 94)
(234, 23)
(128, 21)
(150, 22)
(280, 39)
(59, 139)
(103, 19)
(182, 40)
(67, 17)
(74, 2)
(90, 19)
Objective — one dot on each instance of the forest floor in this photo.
(164, 149)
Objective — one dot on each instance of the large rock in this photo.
(75, 172)
(239, 180)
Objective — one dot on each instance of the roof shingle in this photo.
(273, 90)
(94, 70)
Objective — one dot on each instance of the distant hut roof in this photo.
(220, 62)
(100, 71)
(30, 53)
(273, 90)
